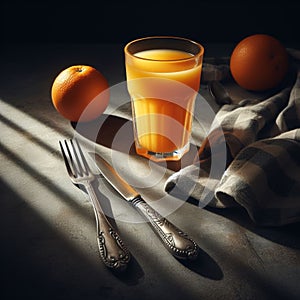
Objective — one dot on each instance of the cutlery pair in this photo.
(113, 251)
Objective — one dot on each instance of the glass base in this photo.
(162, 156)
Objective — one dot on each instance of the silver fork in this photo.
(113, 251)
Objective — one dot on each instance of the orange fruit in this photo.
(259, 62)
(80, 93)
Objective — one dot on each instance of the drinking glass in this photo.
(163, 78)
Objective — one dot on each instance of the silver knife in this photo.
(178, 243)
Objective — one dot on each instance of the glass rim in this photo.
(166, 37)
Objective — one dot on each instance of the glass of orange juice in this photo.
(163, 79)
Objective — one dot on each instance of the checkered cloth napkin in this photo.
(262, 165)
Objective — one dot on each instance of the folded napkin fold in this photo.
(262, 144)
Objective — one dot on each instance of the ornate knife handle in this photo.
(113, 251)
(176, 241)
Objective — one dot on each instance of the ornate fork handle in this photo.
(176, 241)
(113, 251)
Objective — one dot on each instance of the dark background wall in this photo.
(120, 21)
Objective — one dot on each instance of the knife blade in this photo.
(177, 242)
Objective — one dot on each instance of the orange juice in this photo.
(163, 84)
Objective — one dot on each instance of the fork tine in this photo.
(85, 164)
(67, 163)
(73, 165)
(74, 158)
(78, 166)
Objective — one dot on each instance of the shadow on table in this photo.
(41, 259)
(205, 266)
(109, 131)
(287, 235)
(116, 133)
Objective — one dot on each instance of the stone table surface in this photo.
(48, 242)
